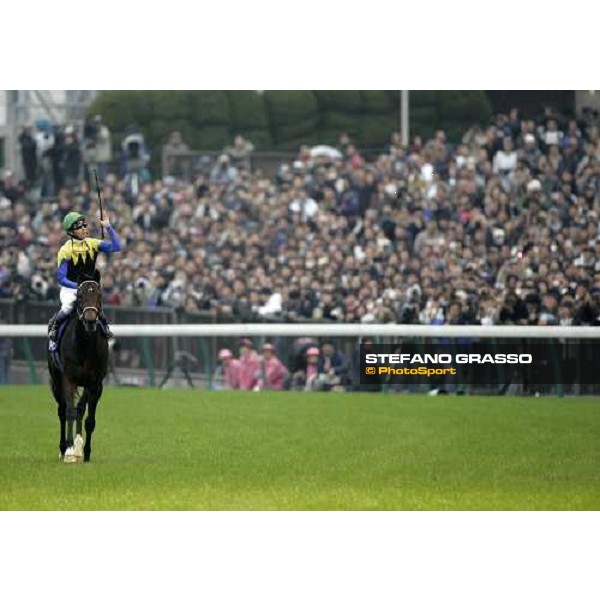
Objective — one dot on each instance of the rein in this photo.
(81, 311)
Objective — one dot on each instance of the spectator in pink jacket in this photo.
(249, 365)
(231, 369)
(273, 373)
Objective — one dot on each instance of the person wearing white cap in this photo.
(530, 152)
(534, 186)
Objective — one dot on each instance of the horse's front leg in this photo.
(81, 411)
(55, 384)
(90, 420)
(69, 389)
(63, 437)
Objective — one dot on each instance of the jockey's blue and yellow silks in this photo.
(78, 257)
(76, 250)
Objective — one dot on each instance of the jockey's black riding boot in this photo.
(53, 327)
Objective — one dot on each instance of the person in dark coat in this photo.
(28, 155)
(72, 158)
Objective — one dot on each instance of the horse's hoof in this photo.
(61, 457)
(78, 448)
(71, 457)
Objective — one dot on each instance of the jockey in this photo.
(76, 261)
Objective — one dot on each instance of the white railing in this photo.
(327, 330)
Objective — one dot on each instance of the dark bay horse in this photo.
(81, 361)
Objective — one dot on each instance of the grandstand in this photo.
(498, 227)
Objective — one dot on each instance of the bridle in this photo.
(81, 310)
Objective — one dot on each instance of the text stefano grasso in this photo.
(446, 359)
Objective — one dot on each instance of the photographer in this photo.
(174, 295)
(135, 161)
(409, 311)
(135, 154)
(39, 286)
(142, 291)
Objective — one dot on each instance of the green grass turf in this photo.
(183, 449)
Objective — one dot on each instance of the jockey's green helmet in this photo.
(71, 219)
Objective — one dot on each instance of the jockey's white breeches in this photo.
(68, 296)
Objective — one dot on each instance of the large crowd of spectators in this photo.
(501, 228)
(56, 157)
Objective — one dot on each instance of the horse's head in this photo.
(89, 304)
